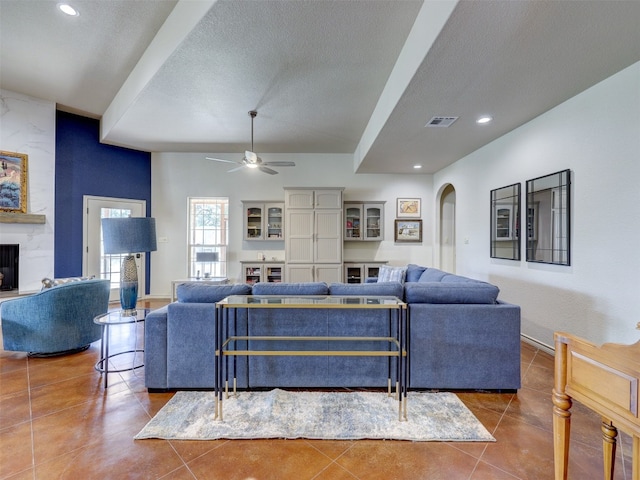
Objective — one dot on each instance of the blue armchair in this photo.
(55, 320)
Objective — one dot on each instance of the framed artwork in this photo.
(13, 182)
(408, 231)
(408, 208)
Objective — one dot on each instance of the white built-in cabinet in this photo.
(313, 238)
(358, 272)
(254, 272)
(263, 220)
(363, 221)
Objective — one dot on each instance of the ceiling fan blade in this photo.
(280, 164)
(220, 160)
(267, 170)
(236, 169)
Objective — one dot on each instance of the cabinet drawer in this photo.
(602, 383)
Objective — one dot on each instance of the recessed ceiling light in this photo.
(68, 9)
(417, 167)
(484, 119)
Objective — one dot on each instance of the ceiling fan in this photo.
(251, 160)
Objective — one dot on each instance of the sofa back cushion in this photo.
(390, 289)
(453, 292)
(414, 272)
(203, 293)
(282, 288)
(432, 275)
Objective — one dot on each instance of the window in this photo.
(110, 265)
(208, 237)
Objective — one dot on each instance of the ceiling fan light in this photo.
(252, 165)
(68, 9)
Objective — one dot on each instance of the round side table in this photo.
(107, 320)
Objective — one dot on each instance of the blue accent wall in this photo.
(84, 166)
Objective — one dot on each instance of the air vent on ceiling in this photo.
(441, 121)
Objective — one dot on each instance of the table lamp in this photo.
(206, 257)
(129, 235)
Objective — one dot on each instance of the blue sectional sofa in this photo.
(460, 336)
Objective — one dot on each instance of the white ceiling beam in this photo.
(180, 22)
(429, 23)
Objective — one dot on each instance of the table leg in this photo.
(105, 358)
(635, 475)
(561, 413)
(609, 434)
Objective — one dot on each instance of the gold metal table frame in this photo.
(225, 338)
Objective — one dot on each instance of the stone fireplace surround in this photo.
(29, 126)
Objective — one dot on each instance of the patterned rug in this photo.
(316, 415)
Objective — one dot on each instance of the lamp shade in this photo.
(129, 235)
(206, 256)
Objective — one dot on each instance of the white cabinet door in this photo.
(329, 273)
(328, 199)
(328, 241)
(274, 221)
(373, 228)
(298, 199)
(299, 239)
(296, 273)
(309, 198)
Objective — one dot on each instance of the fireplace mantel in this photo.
(22, 218)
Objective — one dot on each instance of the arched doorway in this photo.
(447, 228)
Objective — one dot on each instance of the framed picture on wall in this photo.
(408, 231)
(13, 182)
(408, 208)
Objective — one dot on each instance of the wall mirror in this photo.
(548, 219)
(505, 222)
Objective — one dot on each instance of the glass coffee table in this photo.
(111, 319)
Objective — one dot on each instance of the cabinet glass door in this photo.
(503, 223)
(352, 220)
(353, 273)
(274, 274)
(274, 223)
(252, 274)
(373, 215)
(254, 223)
(372, 271)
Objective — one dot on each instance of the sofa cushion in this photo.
(203, 293)
(282, 288)
(391, 289)
(391, 274)
(461, 292)
(432, 275)
(414, 272)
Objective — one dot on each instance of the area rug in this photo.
(316, 415)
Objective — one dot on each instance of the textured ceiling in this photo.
(357, 77)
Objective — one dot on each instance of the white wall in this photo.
(597, 135)
(176, 176)
(28, 125)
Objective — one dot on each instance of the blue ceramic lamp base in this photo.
(129, 286)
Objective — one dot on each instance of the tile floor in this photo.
(57, 421)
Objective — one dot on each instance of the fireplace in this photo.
(9, 267)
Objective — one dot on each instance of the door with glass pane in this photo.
(94, 261)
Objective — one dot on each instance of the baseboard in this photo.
(538, 344)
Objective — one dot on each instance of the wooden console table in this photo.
(605, 379)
